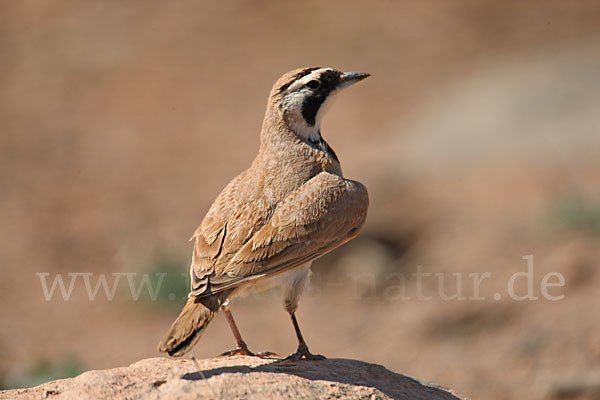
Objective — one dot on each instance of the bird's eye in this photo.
(313, 84)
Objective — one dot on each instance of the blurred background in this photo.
(478, 137)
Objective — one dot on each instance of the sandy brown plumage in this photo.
(291, 206)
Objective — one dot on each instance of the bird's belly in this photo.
(284, 279)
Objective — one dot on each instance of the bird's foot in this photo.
(267, 354)
(239, 351)
(243, 351)
(304, 354)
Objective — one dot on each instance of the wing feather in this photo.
(319, 216)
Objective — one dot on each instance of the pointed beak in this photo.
(349, 78)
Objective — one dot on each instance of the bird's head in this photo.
(302, 96)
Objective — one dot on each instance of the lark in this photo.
(270, 222)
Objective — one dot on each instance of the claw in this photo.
(243, 351)
(304, 354)
(267, 354)
(240, 351)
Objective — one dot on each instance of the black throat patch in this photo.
(323, 146)
(329, 80)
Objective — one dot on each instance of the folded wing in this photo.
(319, 216)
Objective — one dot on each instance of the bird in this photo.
(291, 206)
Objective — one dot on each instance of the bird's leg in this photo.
(302, 353)
(242, 348)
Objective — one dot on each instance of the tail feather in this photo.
(189, 326)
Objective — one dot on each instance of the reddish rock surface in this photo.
(240, 378)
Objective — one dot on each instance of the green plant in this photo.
(43, 371)
(168, 274)
(576, 213)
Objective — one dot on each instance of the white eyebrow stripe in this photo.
(313, 75)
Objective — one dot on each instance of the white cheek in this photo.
(293, 101)
(303, 130)
(293, 106)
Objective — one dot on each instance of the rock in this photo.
(240, 378)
